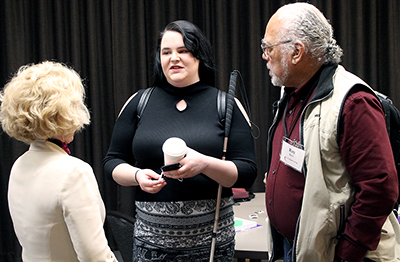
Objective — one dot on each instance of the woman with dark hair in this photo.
(197, 44)
(175, 212)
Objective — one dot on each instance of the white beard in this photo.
(275, 80)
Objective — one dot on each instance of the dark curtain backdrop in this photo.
(110, 43)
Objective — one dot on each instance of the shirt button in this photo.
(270, 202)
(290, 111)
(273, 171)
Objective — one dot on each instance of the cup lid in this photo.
(174, 146)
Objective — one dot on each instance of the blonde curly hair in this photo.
(43, 101)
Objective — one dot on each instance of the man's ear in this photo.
(298, 52)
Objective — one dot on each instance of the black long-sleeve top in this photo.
(139, 142)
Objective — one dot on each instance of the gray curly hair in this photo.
(304, 22)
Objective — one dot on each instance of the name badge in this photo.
(292, 154)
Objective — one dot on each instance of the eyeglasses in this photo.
(266, 49)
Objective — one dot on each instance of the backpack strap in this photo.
(386, 103)
(143, 101)
(221, 103)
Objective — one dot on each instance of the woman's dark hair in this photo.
(197, 44)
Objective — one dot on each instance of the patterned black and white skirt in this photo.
(182, 231)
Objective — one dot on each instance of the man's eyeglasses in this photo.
(266, 49)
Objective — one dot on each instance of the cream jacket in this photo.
(328, 193)
(56, 207)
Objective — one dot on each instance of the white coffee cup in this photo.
(174, 149)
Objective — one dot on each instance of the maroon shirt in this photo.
(284, 189)
(366, 151)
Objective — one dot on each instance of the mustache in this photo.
(269, 68)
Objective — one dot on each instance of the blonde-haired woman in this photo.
(54, 200)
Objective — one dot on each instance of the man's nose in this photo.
(264, 56)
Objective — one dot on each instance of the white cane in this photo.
(228, 119)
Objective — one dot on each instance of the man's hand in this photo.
(265, 178)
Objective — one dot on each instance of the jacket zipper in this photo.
(304, 168)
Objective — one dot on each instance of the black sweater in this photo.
(139, 144)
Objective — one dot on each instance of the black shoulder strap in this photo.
(221, 105)
(143, 101)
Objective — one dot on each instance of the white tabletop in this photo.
(252, 243)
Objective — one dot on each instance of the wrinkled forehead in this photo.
(272, 30)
